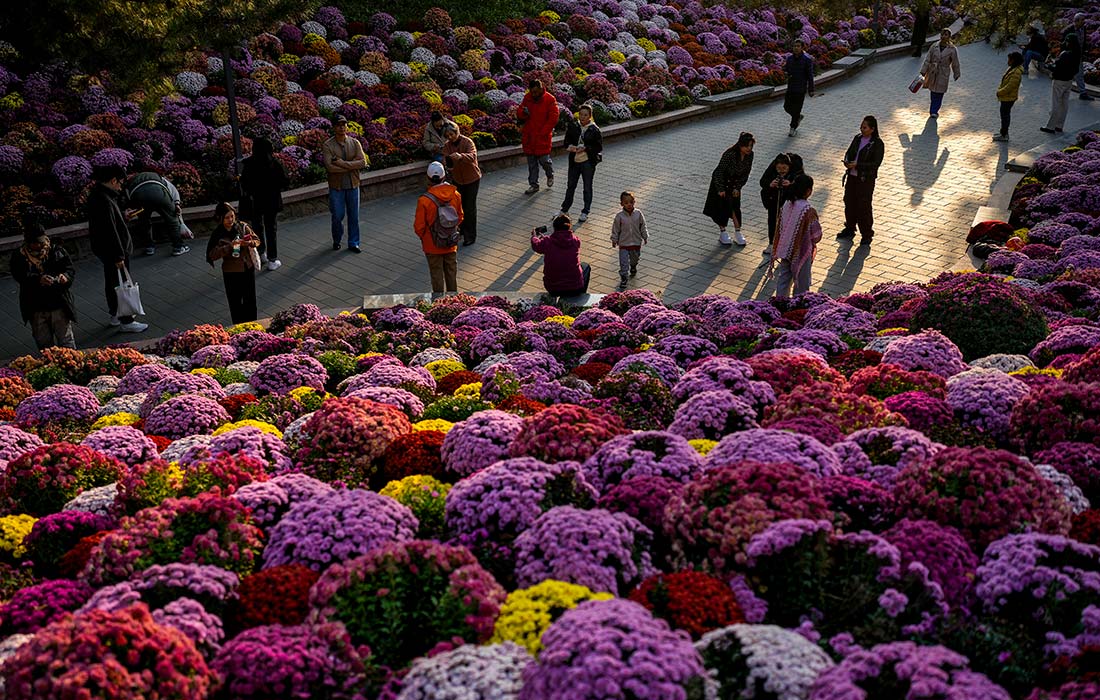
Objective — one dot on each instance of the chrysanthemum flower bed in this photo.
(629, 58)
(714, 506)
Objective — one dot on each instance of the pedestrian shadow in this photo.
(696, 279)
(514, 276)
(842, 275)
(922, 160)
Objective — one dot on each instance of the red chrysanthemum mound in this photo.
(847, 411)
(73, 562)
(275, 596)
(346, 438)
(712, 520)
(1057, 412)
(689, 600)
(851, 361)
(222, 474)
(449, 384)
(884, 380)
(43, 480)
(414, 453)
(1086, 527)
(235, 403)
(521, 405)
(98, 654)
(787, 370)
(592, 372)
(986, 494)
(565, 432)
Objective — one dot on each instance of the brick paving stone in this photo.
(935, 175)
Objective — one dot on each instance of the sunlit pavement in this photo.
(935, 175)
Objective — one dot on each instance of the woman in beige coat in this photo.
(941, 62)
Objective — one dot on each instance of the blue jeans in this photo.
(937, 101)
(1080, 78)
(1030, 56)
(533, 163)
(578, 171)
(341, 203)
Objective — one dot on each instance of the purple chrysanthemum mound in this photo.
(504, 499)
(711, 521)
(985, 493)
(1081, 461)
(983, 399)
(905, 671)
(649, 453)
(928, 350)
(305, 661)
(950, 561)
(32, 608)
(711, 415)
(921, 410)
(337, 526)
(280, 374)
(409, 403)
(723, 373)
(595, 548)
(141, 378)
(858, 504)
(60, 402)
(878, 454)
(1057, 412)
(649, 362)
(643, 498)
(767, 445)
(480, 440)
(268, 501)
(612, 648)
(178, 384)
(184, 415)
(128, 445)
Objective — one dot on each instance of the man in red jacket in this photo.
(539, 115)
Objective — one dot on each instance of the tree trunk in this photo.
(234, 123)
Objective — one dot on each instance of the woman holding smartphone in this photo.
(861, 163)
(234, 243)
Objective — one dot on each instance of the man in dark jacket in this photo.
(110, 239)
(1080, 36)
(1035, 49)
(1061, 83)
(45, 276)
(148, 193)
(800, 80)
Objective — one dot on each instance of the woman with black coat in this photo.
(234, 243)
(45, 275)
(861, 164)
(584, 141)
(776, 179)
(263, 180)
(724, 196)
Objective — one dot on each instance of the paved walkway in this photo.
(935, 175)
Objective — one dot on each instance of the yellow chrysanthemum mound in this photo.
(702, 445)
(13, 529)
(443, 426)
(249, 423)
(528, 612)
(123, 418)
(441, 368)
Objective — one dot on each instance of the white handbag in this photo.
(129, 295)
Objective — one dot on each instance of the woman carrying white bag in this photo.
(112, 244)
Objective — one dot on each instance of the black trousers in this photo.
(773, 217)
(857, 206)
(110, 281)
(266, 226)
(586, 272)
(1006, 116)
(792, 105)
(468, 227)
(240, 291)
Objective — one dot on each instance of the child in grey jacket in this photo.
(628, 234)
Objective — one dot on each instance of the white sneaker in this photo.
(724, 238)
(132, 327)
(113, 321)
(792, 132)
(738, 238)
(274, 265)
(263, 258)
(582, 217)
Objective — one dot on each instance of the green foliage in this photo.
(486, 12)
(46, 376)
(1005, 19)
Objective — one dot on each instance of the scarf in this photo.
(36, 262)
(790, 234)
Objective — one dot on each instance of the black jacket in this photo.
(800, 73)
(769, 196)
(35, 297)
(867, 160)
(1065, 66)
(593, 140)
(107, 230)
(1038, 44)
(264, 180)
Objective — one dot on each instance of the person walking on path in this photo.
(263, 179)
(1082, 40)
(563, 273)
(460, 157)
(435, 136)
(584, 141)
(628, 234)
(235, 244)
(724, 196)
(344, 158)
(1009, 91)
(110, 239)
(861, 164)
(437, 210)
(538, 112)
(776, 179)
(941, 62)
(45, 275)
(1061, 83)
(1036, 49)
(148, 192)
(796, 240)
(800, 81)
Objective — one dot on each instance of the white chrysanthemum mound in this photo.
(742, 658)
(485, 672)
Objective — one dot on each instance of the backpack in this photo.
(445, 233)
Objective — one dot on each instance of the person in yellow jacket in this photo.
(1009, 92)
(442, 259)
